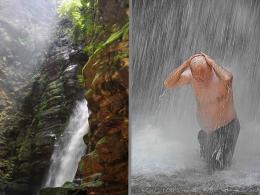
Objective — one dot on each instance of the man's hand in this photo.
(187, 62)
(221, 72)
(195, 55)
(178, 77)
(208, 59)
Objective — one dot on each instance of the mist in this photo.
(164, 125)
(26, 29)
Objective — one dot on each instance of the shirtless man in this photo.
(212, 87)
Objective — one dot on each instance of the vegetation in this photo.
(89, 29)
(86, 26)
(113, 37)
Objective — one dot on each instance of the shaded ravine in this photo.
(44, 113)
(46, 109)
(165, 150)
(69, 148)
(26, 32)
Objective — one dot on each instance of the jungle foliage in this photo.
(86, 25)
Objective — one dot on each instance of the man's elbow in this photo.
(166, 84)
(228, 78)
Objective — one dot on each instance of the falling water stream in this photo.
(165, 150)
(70, 148)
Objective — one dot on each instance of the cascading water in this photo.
(165, 150)
(70, 148)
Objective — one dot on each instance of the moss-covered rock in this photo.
(28, 134)
(62, 191)
(104, 167)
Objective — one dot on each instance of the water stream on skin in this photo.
(70, 148)
(165, 150)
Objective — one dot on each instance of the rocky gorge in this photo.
(43, 115)
(34, 115)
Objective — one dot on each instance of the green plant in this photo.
(84, 17)
(113, 37)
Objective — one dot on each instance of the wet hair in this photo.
(200, 69)
(198, 62)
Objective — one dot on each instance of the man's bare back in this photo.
(212, 89)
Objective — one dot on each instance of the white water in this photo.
(71, 147)
(165, 150)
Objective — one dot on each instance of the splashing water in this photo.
(165, 150)
(65, 158)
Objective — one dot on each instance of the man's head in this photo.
(200, 70)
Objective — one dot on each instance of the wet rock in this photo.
(91, 164)
(107, 9)
(29, 133)
(62, 191)
(104, 167)
(16, 189)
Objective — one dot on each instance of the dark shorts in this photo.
(218, 147)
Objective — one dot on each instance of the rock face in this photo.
(23, 35)
(29, 143)
(113, 11)
(23, 40)
(62, 191)
(104, 168)
(35, 108)
(52, 98)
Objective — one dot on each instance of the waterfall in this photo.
(164, 126)
(70, 148)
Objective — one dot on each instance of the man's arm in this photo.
(175, 78)
(221, 72)
(180, 75)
